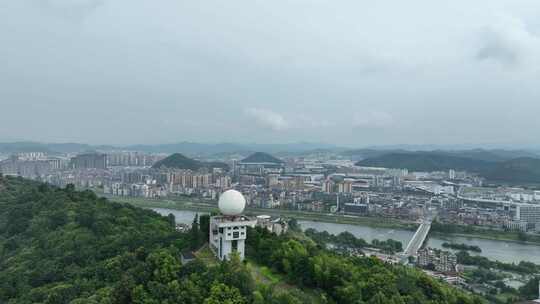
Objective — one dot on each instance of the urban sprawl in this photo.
(313, 184)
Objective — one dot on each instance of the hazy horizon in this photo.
(301, 145)
(353, 73)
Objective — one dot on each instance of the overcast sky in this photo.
(348, 72)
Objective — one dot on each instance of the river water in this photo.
(496, 250)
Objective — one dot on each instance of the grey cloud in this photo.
(496, 47)
(509, 42)
(115, 71)
(267, 118)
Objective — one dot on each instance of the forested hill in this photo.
(517, 170)
(62, 246)
(261, 157)
(426, 161)
(179, 161)
(58, 245)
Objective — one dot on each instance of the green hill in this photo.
(179, 161)
(517, 170)
(60, 246)
(425, 161)
(490, 155)
(261, 157)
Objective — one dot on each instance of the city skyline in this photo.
(354, 74)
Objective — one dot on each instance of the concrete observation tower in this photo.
(228, 230)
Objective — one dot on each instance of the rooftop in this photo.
(231, 218)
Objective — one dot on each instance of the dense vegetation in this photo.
(530, 290)
(179, 161)
(346, 240)
(482, 275)
(492, 274)
(490, 155)
(437, 226)
(261, 157)
(63, 246)
(523, 267)
(517, 170)
(463, 247)
(426, 161)
(347, 279)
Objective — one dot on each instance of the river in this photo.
(495, 250)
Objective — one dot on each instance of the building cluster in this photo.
(526, 217)
(437, 260)
(32, 165)
(132, 159)
(85, 170)
(153, 183)
(509, 216)
(500, 208)
(392, 204)
(275, 225)
(320, 185)
(500, 194)
(314, 183)
(462, 214)
(89, 161)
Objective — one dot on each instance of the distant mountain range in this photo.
(425, 161)
(497, 166)
(200, 148)
(51, 148)
(179, 161)
(300, 148)
(187, 148)
(479, 154)
(519, 170)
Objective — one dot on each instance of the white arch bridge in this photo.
(418, 238)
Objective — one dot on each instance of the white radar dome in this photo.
(231, 202)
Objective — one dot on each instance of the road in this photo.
(418, 239)
(420, 235)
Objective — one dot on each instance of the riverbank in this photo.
(484, 233)
(373, 222)
(508, 252)
(504, 237)
(299, 215)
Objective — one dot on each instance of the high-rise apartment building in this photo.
(89, 161)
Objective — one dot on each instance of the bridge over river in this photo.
(419, 237)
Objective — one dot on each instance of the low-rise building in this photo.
(441, 261)
(277, 226)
